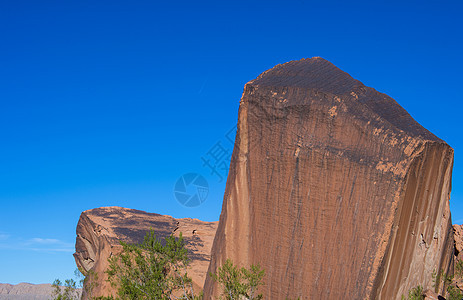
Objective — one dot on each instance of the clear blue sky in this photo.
(109, 102)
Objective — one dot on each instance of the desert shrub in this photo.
(452, 292)
(459, 269)
(65, 291)
(154, 269)
(89, 283)
(415, 293)
(238, 283)
(439, 278)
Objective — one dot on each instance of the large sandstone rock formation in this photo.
(334, 189)
(99, 231)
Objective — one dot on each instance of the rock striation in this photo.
(334, 189)
(99, 231)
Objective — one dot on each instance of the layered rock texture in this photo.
(334, 189)
(99, 231)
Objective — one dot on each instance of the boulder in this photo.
(458, 236)
(99, 231)
(334, 189)
(431, 295)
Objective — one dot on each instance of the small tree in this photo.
(152, 269)
(452, 292)
(415, 293)
(459, 269)
(66, 291)
(237, 283)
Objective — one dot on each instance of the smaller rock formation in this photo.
(431, 295)
(99, 231)
(458, 236)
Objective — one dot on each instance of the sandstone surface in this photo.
(431, 295)
(99, 231)
(334, 189)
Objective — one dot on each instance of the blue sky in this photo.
(110, 102)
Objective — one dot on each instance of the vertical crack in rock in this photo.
(334, 189)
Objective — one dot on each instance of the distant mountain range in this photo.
(25, 291)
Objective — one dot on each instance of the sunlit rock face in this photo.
(99, 231)
(334, 189)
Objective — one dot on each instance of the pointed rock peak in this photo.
(320, 75)
(312, 73)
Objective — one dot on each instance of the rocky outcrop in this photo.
(431, 295)
(458, 237)
(99, 231)
(334, 189)
(26, 291)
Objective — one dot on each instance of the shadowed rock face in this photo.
(334, 189)
(99, 231)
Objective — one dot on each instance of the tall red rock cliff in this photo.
(334, 189)
(99, 231)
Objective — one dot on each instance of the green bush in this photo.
(459, 269)
(416, 293)
(237, 283)
(451, 291)
(153, 269)
(65, 291)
